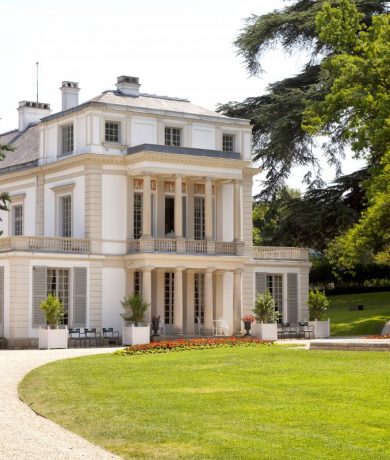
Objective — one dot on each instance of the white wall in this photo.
(114, 285)
(143, 130)
(203, 136)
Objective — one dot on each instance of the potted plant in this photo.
(51, 335)
(248, 320)
(266, 327)
(134, 313)
(318, 305)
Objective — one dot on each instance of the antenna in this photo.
(37, 64)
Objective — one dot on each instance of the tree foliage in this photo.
(279, 140)
(4, 197)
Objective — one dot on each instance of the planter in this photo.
(265, 331)
(247, 327)
(135, 335)
(321, 328)
(52, 338)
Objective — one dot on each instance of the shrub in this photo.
(318, 304)
(135, 308)
(192, 344)
(54, 310)
(265, 308)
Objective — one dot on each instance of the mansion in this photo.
(132, 192)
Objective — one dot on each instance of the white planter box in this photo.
(136, 335)
(321, 328)
(52, 338)
(265, 331)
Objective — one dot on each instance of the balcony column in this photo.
(147, 291)
(237, 301)
(208, 209)
(130, 208)
(237, 210)
(178, 301)
(208, 299)
(147, 208)
(179, 207)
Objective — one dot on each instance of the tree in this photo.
(4, 197)
(279, 140)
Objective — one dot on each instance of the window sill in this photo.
(114, 145)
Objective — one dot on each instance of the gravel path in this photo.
(25, 435)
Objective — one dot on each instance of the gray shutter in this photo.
(292, 297)
(260, 283)
(39, 293)
(1, 301)
(79, 297)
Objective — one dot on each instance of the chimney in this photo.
(70, 94)
(128, 85)
(31, 112)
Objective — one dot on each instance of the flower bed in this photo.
(192, 344)
(386, 336)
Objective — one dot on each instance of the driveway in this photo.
(25, 435)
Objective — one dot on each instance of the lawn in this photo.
(241, 403)
(366, 322)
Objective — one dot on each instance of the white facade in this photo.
(130, 192)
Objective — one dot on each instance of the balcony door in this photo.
(169, 298)
(169, 216)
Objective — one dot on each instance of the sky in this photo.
(176, 48)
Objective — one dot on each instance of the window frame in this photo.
(20, 219)
(233, 142)
(171, 134)
(69, 304)
(63, 127)
(112, 122)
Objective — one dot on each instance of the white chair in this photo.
(220, 328)
(162, 328)
(198, 326)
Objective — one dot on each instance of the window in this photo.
(199, 298)
(137, 215)
(199, 218)
(58, 285)
(275, 287)
(17, 220)
(228, 142)
(169, 297)
(172, 137)
(111, 131)
(67, 139)
(65, 208)
(138, 283)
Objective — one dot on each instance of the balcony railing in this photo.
(181, 246)
(45, 244)
(279, 253)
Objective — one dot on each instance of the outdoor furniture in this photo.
(198, 326)
(75, 337)
(91, 335)
(220, 327)
(162, 328)
(110, 336)
(306, 330)
(285, 331)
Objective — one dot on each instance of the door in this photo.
(169, 300)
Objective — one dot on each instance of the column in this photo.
(190, 324)
(285, 314)
(237, 210)
(147, 208)
(147, 291)
(208, 300)
(179, 207)
(160, 294)
(130, 208)
(237, 301)
(190, 209)
(160, 207)
(208, 209)
(178, 301)
(129, 281)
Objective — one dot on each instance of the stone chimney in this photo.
(31, 112)
(128, 86)
(70, 94)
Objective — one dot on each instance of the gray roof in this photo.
(26, 144)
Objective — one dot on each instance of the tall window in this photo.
(17, 220)
(65, 209)
(169, 297)
(173, 136)
(199, 232)
(67, 139)
(58, 285)
(199, 298)
(275, 287)
(111, 131)
(228, 142)
(138, 283)
(137, 215)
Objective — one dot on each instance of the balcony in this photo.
(182, 246)
(280, 253)
(45, 244)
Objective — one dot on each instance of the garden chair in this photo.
(306, 331)
(91, 335)
(220, 328)
(110, 336)
(75, 337)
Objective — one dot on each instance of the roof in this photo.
(26, 144)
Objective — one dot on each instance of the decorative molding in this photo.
(65, 188)
(138, 184)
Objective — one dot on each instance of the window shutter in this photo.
(292, 297)
(39, 294)
(79, 297)
(1, 301)
(260, 283)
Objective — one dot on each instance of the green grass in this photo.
(241, 403)
(366, 322)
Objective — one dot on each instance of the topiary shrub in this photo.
(318, 305)
(135, 308)
(54, 310)
(265, 308)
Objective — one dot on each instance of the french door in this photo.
(169, 299)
